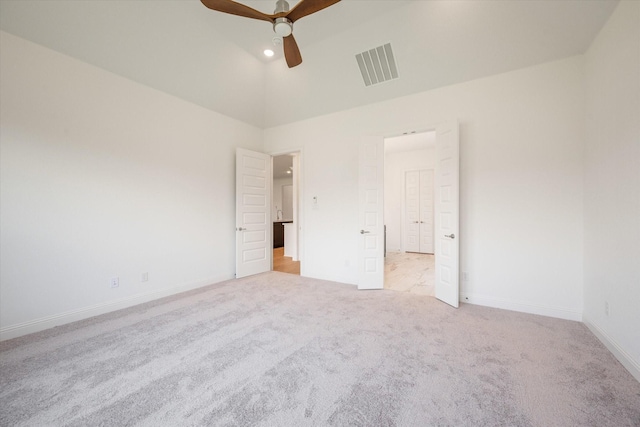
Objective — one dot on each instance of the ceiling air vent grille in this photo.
(377, 65)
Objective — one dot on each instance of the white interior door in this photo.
(371, 208)
(447, 213)
(254, 230)
(412, 211)
(426, 211)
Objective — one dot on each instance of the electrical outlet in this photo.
(144, 277)
(606, 308)
(115, 282)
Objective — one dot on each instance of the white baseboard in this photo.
(506, 304)
(633, 366)
(47, 322)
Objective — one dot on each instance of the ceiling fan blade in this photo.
(291, 52)
(234, 8)
(307, 7)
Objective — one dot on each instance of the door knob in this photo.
(415, 222)
(451, 236)
(240, 229)
(364, 231)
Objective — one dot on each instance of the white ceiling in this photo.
(215, 60)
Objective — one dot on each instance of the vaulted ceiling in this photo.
(215, 60)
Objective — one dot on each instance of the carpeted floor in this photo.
(280, 350)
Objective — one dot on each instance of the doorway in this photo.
(285, 213)
(409, 161)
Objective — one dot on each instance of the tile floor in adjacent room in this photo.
(410, 272)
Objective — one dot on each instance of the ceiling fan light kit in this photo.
(283, 27)
(282, 20)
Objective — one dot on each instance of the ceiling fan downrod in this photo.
(282, 6)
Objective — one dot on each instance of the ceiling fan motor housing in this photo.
(281, 7)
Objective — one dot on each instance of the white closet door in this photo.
(419, 204)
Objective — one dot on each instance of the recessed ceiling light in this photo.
(268, 52)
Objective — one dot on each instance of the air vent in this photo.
(377, 65)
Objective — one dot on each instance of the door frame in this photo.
(298, 212)
(419, 128)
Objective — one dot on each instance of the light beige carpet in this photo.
(281, 350)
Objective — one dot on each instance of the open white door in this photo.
(253, 213)
(447, 213)
(371, 207)
(426, 211)
(412, 211)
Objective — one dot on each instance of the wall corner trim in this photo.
(507, 304)
(633, 366)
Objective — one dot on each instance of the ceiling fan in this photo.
(282, 19)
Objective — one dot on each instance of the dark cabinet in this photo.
(278, 233)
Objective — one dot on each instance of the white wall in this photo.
(395, 166)
(612, 185)
(521, 183)
(103, 177)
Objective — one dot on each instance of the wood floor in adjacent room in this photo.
(283, 263)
